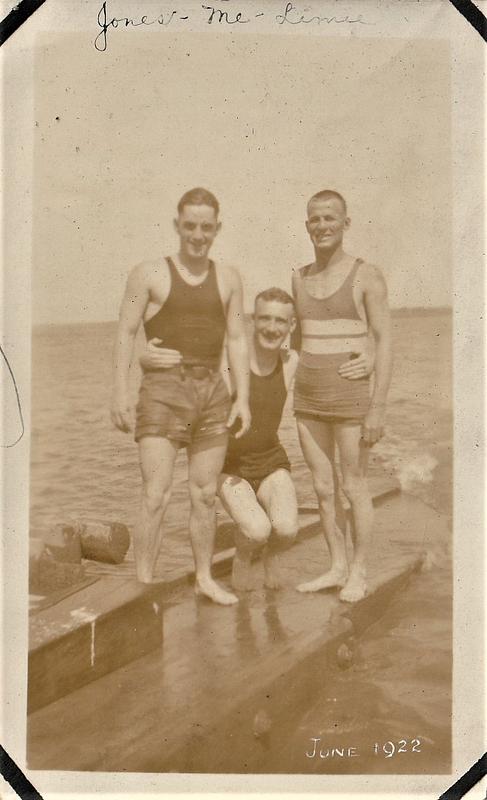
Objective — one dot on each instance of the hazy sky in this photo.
(263, 122)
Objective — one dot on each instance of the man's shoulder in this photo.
(227, 273)
(145, 272)
(371, 281)
(226, 267)
(367, 269)
(368, 273)
(300, 272)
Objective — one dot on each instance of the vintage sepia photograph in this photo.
(241, 402)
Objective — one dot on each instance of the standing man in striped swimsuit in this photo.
(339, 299)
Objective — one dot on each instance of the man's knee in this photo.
(325, 490)
(286, 528)
(156, 496)
(355, 487)
(256, 529)
(203, 494)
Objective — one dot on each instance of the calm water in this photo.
(82, 466)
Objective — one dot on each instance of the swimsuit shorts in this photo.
(258, 466)
(184, 403)
(321, 393)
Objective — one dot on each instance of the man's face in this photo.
(326, 223)
(273, 321)
(197, 227)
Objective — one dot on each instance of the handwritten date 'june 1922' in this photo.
(386, 749)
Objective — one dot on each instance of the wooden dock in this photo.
(157, 680)
(81, 634)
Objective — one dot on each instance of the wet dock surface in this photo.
(92, 628)
(227, 682)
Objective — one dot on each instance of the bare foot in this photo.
(242, 578)
(209, 588)
(334, 577)
(148, 577)
(272, 570)
(355, 588)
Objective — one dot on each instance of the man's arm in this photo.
(296, 334)
(131, 311)
(379, 319)
(289, 365)
(225, 371)
(238, 355)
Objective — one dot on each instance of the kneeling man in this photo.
(255, 487)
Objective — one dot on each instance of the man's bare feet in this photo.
(334, 577)
(356, 587)
(209, 588)
(242, 578)
(272, 569)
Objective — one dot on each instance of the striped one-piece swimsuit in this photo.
(332, 332)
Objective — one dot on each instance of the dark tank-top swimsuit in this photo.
(259, 452)
(192, 320)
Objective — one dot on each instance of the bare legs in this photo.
(318, 443)
(253, 526)
(205, 464)
(157, 458)
(353, 461)
(269, 517)
(278, 496)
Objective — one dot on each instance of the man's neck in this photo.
(329, 259)
(197, 266)
(263, 362)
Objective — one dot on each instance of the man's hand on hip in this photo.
(357, 367)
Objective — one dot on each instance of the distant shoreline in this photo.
(419, 311)
(422, 311)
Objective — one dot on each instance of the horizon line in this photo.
(409, 309)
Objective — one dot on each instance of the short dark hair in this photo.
(329, 194)
(274, 293)
(199, 197)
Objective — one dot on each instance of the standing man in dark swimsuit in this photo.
(339, 299)
(190, 304)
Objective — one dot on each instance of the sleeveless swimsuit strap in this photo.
(353, 272)
(174, 272)
(350, 277)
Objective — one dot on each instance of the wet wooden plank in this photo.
(191, 704)
(40, 602)
(89, 633)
